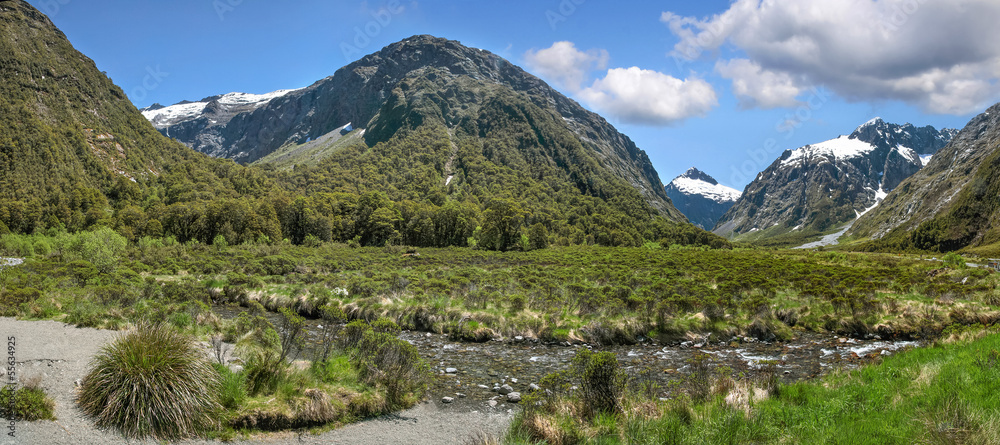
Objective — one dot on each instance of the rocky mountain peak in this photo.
(924, 140)
(700, 197)
(698, 175)
(821, 186)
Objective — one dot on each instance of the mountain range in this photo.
(701, 198)
(951, 204)
(425, 142)
(820, 187)
(419, 80)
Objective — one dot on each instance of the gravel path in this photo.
(60, 353)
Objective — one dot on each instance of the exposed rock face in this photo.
(377, 94)
(953, 200)
(821, 186)
(701, 198)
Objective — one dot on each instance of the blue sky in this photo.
(723, 86)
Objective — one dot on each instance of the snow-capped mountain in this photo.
(192, 122)
(163, 117)
(701, 198)
(822, 186)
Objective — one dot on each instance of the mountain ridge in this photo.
(367, 91)
(951, 203)
(819, 187)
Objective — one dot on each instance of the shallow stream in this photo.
(479, 367)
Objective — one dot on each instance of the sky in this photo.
(724, 86)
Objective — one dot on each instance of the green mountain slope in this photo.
(952, 203)
(502, 173)
(74, 151)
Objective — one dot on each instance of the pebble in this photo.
(492, 403)
(460, 395)
(450, 370)
(447, 399)
(534, 387)
(513, 380)
(506, 390)
(514, 397)
(483, 387)
(518, 338)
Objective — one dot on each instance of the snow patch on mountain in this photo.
(164, 116)
(842, 148)
(715, 192)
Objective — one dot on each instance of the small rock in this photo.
(788, 372)
(506, 389)
(483, 387)
(513, 380)
(79, 383)
(492, 403)
(447, 399)
(514, 397)
(534, 387)
(450, 370)
(428, 335)
(460, 395)
(518, 338)
(496, 389)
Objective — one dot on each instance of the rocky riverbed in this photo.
(476, 376)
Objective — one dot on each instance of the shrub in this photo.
(30, 402)
(384, 360)
(601, 381)
(954, 261)
(264, 371)
(151, 381)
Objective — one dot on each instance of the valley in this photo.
(433, 242)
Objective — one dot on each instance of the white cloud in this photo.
(760, 88)
(938, 55)
(648, 97)
(565, 65)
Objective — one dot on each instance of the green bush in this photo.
(601, 381)
(30, 403)
(264, 371)
(151, 381)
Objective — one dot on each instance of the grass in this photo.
(151, 382)
(948, 393)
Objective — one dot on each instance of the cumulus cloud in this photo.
(565, 65)
(647, 97)
(937, 55)
(756, 87)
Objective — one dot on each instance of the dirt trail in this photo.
(60, 354)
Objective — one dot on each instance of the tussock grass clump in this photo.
(151, 381)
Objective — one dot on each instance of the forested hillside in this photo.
(76, 154)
